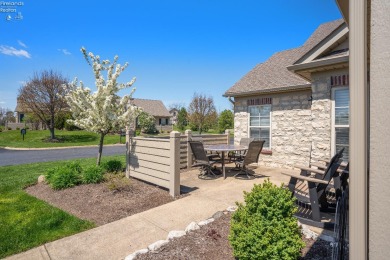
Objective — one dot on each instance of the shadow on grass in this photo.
(72, 138)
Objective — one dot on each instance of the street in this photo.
(14, 157)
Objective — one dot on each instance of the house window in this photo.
(260, 123)
(340, 129)
(166, 121)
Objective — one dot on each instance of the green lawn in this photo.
(27, 222)
(34, 139)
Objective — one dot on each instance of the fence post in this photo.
(129, 141)
(188, 133)
(174, 174)
(227, 132)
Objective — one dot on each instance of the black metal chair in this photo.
(202, 159)
(239, 155)
(313, 196)
(251, 156)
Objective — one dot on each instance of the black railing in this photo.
(340, 249)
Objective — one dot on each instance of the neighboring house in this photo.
(21, 111)
(155, 108)
(298, 100)
(173, 112)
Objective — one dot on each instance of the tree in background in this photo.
(147, 123)
(225, 120)
(42, 95)
(201, 112)
(6, 116)
(182, 120)
(103, 110)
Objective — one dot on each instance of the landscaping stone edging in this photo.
(178, 233)
(305, 230)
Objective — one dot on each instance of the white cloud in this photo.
(22, 44)
(11, 51)
(65, 51)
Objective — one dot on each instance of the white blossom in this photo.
(102, 110)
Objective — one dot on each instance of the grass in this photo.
(35, 139)
(27, 222)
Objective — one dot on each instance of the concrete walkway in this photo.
(118, 239)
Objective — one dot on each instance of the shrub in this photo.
(113, 166)
(92, 174)
(265, 228)
(9, 128)
(117, 182)
(65, 176)
(17, 128)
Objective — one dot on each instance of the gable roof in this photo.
(155, 108)
(273, 75)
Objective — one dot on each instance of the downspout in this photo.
(231, 101)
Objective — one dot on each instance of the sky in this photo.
(174, 48)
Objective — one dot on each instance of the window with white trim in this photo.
(260, 123)
(340, 136)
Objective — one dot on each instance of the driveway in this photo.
(14, 157)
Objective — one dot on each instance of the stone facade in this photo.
(290, 128)
(301, 131)
(322, 113)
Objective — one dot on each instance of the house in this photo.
(297, 100)
(351, 54)
(155, 108)
(173, 112)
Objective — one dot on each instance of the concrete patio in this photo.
(118, 239)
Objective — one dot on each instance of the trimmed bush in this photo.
(265, 228)
(65, 176)
(92, 174)
(113, 166)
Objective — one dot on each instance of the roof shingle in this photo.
(273, 75)
(152, 107)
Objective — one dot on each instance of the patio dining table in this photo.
(223, 148)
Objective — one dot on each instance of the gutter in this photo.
(269, 91)
(319, 63)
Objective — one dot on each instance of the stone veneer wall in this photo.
(290, 129)
(322, 113)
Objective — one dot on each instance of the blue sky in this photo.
(174, 48)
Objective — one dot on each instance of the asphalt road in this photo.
(14, 157)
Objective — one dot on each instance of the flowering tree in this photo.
(147, 123)
(103, 110)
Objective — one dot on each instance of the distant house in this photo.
(174, 112)
(155, 108)
(298, 100)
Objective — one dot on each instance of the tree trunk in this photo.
(100, 148)
(51, 127)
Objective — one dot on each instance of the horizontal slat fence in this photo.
(159, 160)
(185, 149)
(155, 160)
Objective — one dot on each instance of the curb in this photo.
(56, 148)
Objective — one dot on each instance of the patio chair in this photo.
(212, 156)
(315, 198)
(251, 156)
(239, 155)
(202, 160)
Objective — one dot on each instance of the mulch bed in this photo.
(99, 204)
(211, 242)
